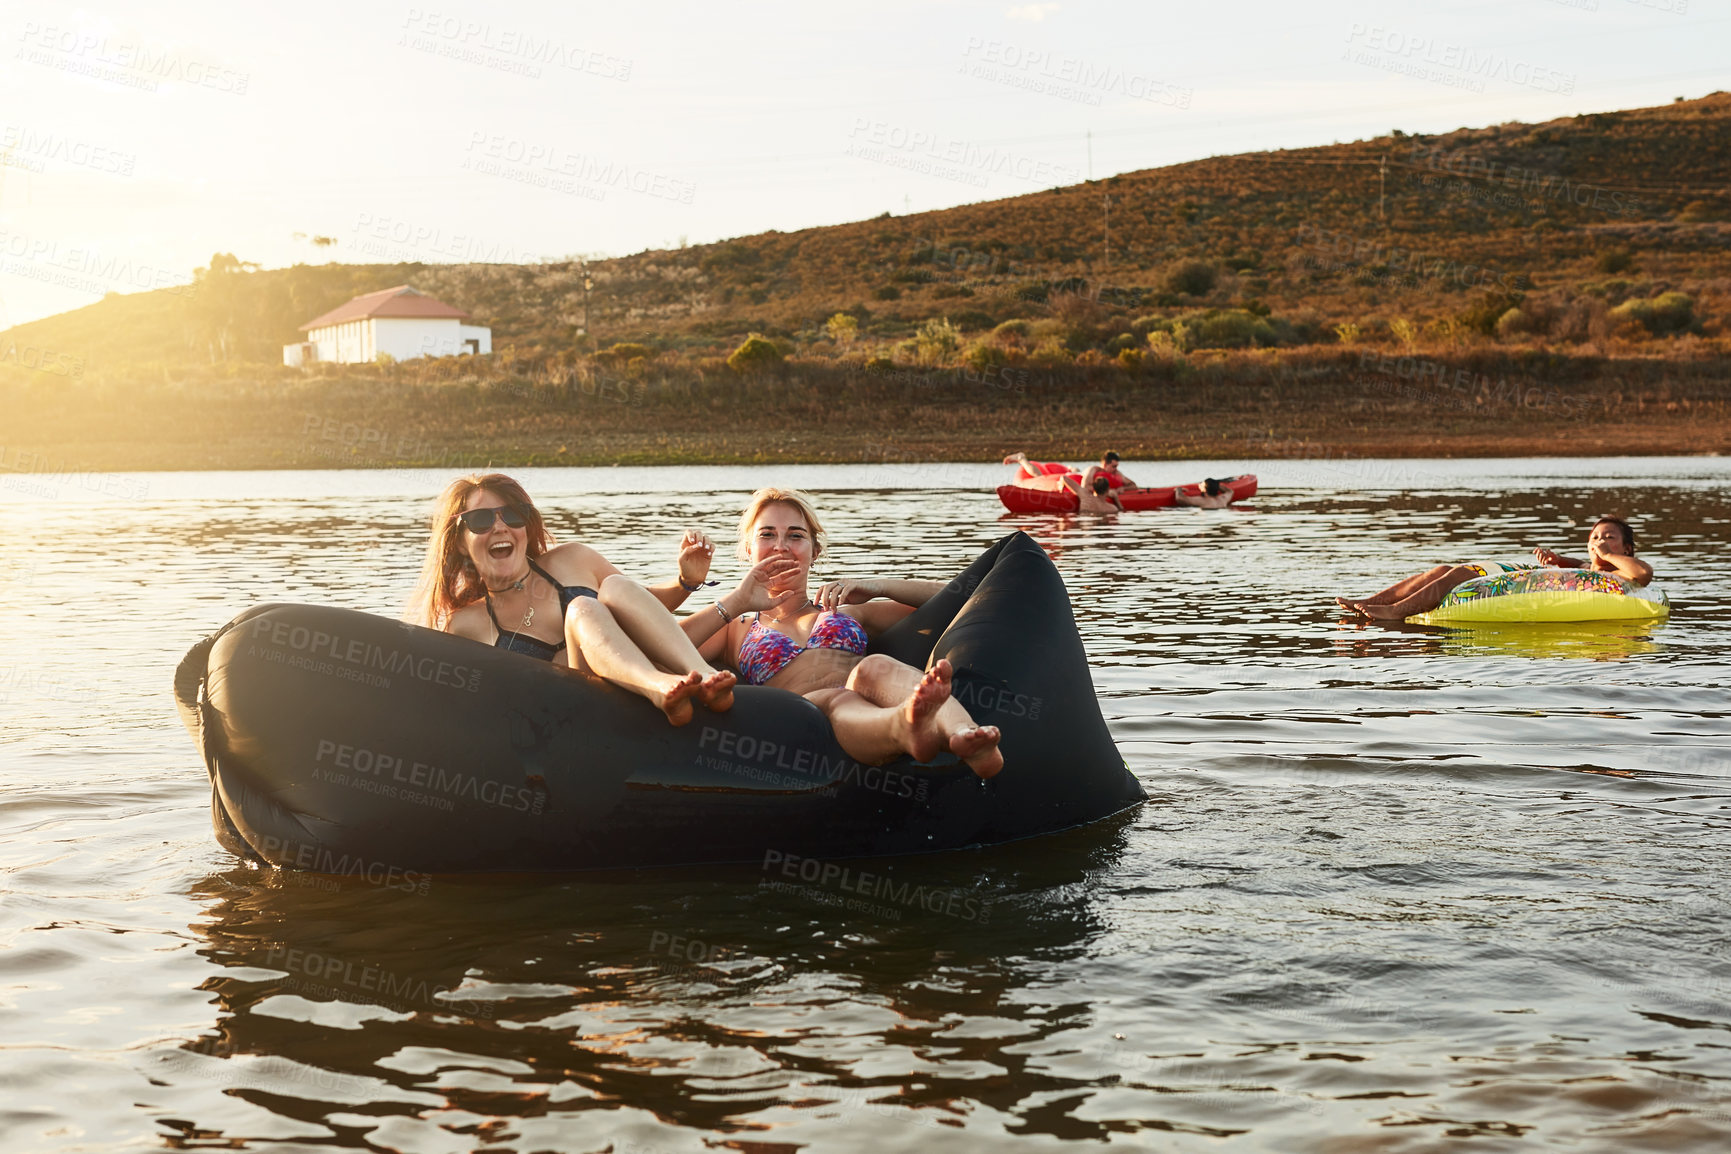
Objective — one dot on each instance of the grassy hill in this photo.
(1592, 252)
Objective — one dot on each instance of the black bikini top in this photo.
(533, 646)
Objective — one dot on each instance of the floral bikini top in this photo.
(765, 652)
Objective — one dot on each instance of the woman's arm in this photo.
(910, 591)
(1627, 567)
(695, 553)
(1556, 560)
(709, 628)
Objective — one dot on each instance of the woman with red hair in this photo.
(493, 574)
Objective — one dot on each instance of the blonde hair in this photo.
(772, 496)
(448, 580)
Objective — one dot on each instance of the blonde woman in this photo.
(880, 708)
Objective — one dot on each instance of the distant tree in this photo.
(756, 356)
(842, 329)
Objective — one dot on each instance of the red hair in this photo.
(448, 580)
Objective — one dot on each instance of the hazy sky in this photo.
(135, 140)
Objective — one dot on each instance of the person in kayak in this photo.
(492, 574)
(1096, 496)
(1109, 466)
(774, 633)
(1610, 549)
(1214, 495)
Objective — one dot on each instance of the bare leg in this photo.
(657, 633)
(884, 681)
(1399, 591)
(1425, 598)
(592, 632)
(878, 733)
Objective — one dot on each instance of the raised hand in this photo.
(766, 585)
(835, 594)
(1549, 557)
(696, 551)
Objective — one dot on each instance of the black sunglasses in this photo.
(478, 521)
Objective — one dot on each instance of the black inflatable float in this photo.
(339, 742)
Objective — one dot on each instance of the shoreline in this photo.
(1245, 410)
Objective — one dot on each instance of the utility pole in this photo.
(1106, 202)
(1382, 188)
(1090, 154)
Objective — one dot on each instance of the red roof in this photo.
(401, 301)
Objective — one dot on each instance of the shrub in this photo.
(1130, 358)
(1051, 351)
(1698, 211)
(755, 356)
(1232, 329)
(937, 341)
(945, 291)
(1671, 312)
(1012, 333)
(1614, 260)
(1191, 278)
(1405, 332)
(1514, 323)
(1122, 341)
(981, 357)
(1483, 314)
(1034, 290)
(1167, 345)
(888, 292)
(914, 276)
(628, 351)
(877, 362)
(842, 329)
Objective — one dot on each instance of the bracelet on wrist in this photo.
(721, 612)
(694, 586)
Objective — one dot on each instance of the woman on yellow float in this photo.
(1610, 549)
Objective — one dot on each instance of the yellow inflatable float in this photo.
(1511, 594)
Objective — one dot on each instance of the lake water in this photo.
(1394, 886)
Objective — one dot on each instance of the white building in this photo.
(399, 322)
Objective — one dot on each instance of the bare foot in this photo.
(675, 698)
(978, 746)
(716, 690)
(918, 717)
(1350, 605)
(1383, 613)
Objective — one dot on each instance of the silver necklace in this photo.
(519, 583)
(782, 620)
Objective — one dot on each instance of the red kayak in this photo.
(1043, 491)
